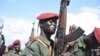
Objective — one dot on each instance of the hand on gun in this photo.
(72, 28)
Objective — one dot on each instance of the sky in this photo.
(18, 16)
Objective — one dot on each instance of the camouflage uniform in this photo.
(43, 46)
(16, 51)
(38, 48)
(11, 53)
(79, 48)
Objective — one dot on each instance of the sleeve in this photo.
(80, 42)
(32, 50)
(79, 47)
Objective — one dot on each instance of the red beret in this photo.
(16, 42)
(97, 34)
(47, 16)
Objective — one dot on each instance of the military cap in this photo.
(97, 34)
(44, 16)
(16, 42)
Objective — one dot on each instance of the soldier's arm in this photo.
(32, 50)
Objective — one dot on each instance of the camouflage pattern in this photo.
(36, 48)
(79, 48)
(11, 53)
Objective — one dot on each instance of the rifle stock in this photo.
(59, 44)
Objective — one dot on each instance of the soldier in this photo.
(78, 47)
(86, 45)
(43, 46)
(75, 47)
(9, 51)
(2, 42)
(16, 48)
(93, 42)
(32, 38)
(10, 48)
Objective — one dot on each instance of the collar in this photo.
(45, 40)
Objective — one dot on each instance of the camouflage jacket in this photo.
(39, 47)
(79, 48)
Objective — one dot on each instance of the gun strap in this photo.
(50, 49)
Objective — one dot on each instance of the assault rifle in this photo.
(61, 39)
(32, 31)
(61, 27)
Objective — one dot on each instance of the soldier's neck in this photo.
(46, 35)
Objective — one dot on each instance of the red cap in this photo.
(47, 16)
(16, 42)
(10, 46)
(97, 34)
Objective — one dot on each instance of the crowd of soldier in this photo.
(42, 45)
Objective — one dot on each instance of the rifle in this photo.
(59, 44)
(32, 31)
(32, 35)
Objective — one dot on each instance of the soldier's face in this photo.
(50, 25)
(17, 47)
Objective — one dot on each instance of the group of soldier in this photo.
(10, 50)
(43, 45)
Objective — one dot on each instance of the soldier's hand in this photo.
(72, 28)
